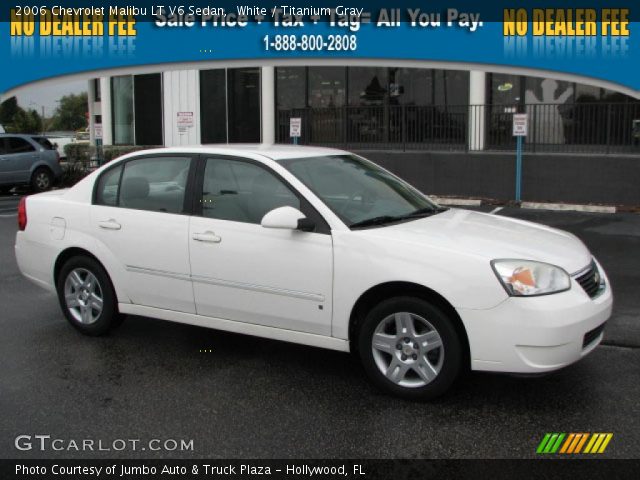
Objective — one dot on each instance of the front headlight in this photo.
(526, 278)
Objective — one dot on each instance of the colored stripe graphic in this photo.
(573, 443)
(543, 443)
(581, 442)
(567, 443)
(550, 443)
(603, 447)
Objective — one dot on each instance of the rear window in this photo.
(44, 143)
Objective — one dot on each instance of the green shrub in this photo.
(110, 152)
(78, 152)
(85, 153)
(73, 172)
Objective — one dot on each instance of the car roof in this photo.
(274, 152)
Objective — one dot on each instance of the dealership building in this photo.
(446, 129)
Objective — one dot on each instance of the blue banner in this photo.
(596, 40)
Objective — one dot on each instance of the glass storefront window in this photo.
(327, 86)
(410, 86)
(587, 94)
(148, 109)
(122, 107)
(243, 103)
(548, 90)
(451, 87)
(504, 89)
(213, 106)
(291, 87)
(136, 103)
(368, 86)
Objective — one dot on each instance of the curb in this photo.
(464, 202)
(476, 202)
(568, 207)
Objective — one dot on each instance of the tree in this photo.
(26, 121)
(71, 112)
(8, 109)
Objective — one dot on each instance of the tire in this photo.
(419, 363)
(82, 284)
(41, 180)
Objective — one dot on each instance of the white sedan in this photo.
(319, 247)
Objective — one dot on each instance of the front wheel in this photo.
(410, 348)
(86, 296)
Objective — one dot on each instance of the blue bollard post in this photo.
(519, 169)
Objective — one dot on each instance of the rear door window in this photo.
(19, 145)
(156, 184)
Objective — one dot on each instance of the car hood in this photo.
(491, 237)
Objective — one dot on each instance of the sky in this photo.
(37, 96)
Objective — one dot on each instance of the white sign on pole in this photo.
(295, 127)
(520, 124)
(97, 131)
(184, 120)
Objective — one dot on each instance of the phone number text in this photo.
(290, 43)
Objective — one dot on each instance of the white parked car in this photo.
(319, 247)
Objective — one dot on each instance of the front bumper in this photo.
(537, 334)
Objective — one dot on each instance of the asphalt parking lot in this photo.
(256, 398)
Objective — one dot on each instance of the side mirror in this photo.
(288, 218)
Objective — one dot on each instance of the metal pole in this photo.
(518, 169)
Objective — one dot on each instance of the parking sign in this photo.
(520, 124)
(295, 127)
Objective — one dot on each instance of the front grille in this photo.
(592, 335)
(590, 280)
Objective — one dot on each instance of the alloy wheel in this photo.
(42, 181)
(407, 350)
(83, 296)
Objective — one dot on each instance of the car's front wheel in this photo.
(410, 348)
(87, 297)
(41, 180)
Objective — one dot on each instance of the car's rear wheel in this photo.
(41, 180)
(87, 297)
(410, 348)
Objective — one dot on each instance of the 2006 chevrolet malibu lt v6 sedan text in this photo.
(319, 247)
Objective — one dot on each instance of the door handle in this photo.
(110, 224)
(208, 237)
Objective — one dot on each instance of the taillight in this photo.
(22, 214)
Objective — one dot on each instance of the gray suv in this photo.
(28, 160)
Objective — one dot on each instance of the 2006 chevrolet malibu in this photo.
(319, 247)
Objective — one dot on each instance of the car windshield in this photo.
(358, 191)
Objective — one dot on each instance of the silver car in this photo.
(28, 160)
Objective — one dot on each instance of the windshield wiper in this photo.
(382, 219)
(424, 212)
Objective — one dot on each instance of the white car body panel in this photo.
(271, 277)
(272, 283)
(153, 253)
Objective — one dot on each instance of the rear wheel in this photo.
(86, 296)
(410, 348)
(41, 180)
